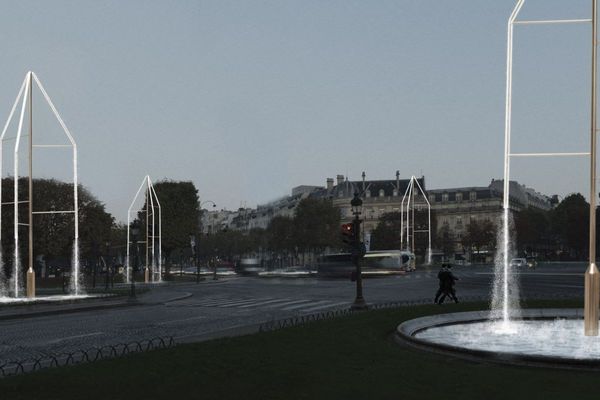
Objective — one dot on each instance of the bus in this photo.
(375, 263)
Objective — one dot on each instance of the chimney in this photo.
(398, 180)
(340, 179)
(329, 183)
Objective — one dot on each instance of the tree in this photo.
(479, 235)
(316, 225)
(280, 234)
(180, 214)
(570, 223)
(53, 234)
(386, 235)
(444, 240)
(532, 228)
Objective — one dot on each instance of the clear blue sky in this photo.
(250, 98)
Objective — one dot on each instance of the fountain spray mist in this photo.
(505, 296)
(3, 288)
(15, 282)
(76, 284)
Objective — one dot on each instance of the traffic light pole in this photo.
(359, 301)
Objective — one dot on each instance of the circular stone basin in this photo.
(45, 299)
(538, 336)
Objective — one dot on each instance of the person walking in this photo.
(441, 278)
(449, 280)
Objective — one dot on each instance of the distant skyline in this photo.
(248, 99)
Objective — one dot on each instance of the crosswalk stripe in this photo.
(260, 303)
(286, 303)
(311, 309)
(235, 303)
(210, 303)
(310, 303)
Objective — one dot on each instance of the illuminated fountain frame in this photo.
(409, 195)
(25, 96)
(152, 238)
(482, 334)
(592, 277)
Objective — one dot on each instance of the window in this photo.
(473, 196)
(381, 193)
(432, 198)
(445, 197)
(458, 222)
(395, 194)
(458, 196)
(368, 193)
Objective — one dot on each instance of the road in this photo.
(213, 307)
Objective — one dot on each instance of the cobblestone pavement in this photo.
(188, 310)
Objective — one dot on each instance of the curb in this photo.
(95, 307)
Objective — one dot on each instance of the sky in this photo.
(248, 99)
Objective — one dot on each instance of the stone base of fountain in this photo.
(538, 337)
(6, 301)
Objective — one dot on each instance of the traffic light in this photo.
(348, 234)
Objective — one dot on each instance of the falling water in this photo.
(15, 282)
(505, 296)
(76, 287)
(3, 288)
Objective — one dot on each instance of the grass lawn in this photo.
(347, 358)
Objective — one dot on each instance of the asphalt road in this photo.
(211, 308)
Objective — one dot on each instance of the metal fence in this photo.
(11, 368)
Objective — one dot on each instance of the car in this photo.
(531, 262)
(518, 262)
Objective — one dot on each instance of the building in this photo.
(380, 197)
(456, 208)
(246, 219)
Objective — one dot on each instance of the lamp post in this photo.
(358, 251)
(195, 257)
(210, 230)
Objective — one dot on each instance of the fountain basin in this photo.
(49, 299)
(542, 337)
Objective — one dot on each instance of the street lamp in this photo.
(195, 256)
(358, 251)
(210, 231)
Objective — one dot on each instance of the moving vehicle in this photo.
(249, 266)
(375, 263)
(518, 262)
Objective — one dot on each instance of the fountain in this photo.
(25, 97)
(506, 333)
(407, 218)
(153, 236)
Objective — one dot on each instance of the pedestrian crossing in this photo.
(267, 303)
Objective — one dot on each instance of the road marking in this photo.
(260, 303)
(220, 302)
(235, 303)
(180, 320)
(311, 309)
(537, 273)
(305, 303)
(286, 303)
(74, 337)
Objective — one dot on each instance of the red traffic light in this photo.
(348, 232)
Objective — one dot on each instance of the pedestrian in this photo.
(449, 280)
(441, 278)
